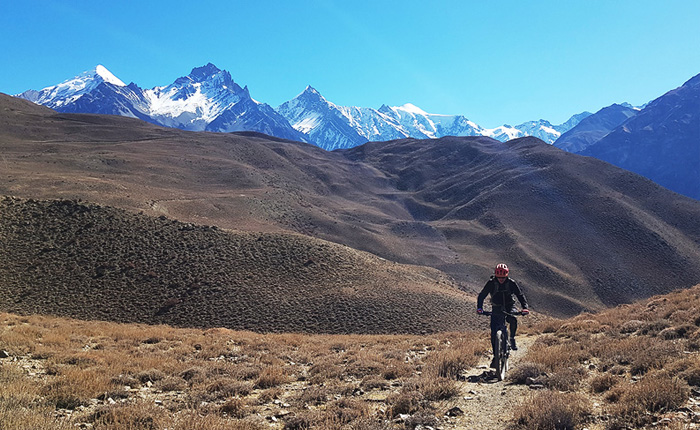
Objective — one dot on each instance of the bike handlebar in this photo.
(512, 314)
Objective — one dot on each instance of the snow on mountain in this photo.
(206, 99)
(69, 91)
(331, 126)
(503, 133)
(422, 124)
(541, 129)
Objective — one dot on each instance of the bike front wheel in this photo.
(502, 354)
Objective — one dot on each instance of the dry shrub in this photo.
(565, 379)
(585, 324)
(35, 418)
(235, 408)
(552, 410)
(74, 387)
(150, 375)
(266, 396)
(271, 376)
(313, 395)
(657, 392)
(171, 383)
(603, 383)
(641, 353)
(405, 402)
(365, 364)
(655, 356)
(631, 326)
(562, 355)
(372, 382)
(227, 387)
(347, 410)
(246, 372)
(17, 391)
(451, 362)
(433, 388)
(397, 370)
(19, 340)
(140, 416)
(550, 325)
(193, 421)
(526, 372)
(653, 328)
(125, 380)
(324, 371)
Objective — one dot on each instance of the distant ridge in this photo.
(594, 127)
(661, 142)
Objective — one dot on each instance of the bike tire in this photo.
(502, 356)
(504, 359)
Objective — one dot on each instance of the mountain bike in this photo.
(501, 344)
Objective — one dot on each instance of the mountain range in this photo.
(209, 100)
(205, 100)
(578, 233)
(660, 141)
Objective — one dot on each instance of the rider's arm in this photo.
(482, 295)
(519, 294)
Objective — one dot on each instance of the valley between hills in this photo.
(158, 278)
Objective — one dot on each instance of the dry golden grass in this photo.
(636, 361)
(69, 373)
(552, 411)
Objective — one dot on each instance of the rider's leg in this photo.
(513, 323)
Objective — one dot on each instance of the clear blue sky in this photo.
(493, 61)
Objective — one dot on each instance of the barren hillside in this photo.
(578, 233)
(86, 261)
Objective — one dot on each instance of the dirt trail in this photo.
(486, 402)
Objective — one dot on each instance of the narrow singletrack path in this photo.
(486, 402)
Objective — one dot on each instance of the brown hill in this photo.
(578, 233)
(582, 233)
(86, 261)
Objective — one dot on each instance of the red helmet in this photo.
(501, 271)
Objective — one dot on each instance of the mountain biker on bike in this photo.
(502, 288)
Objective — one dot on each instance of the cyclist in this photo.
(502, 288)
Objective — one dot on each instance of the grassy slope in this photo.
(92, 262)
(629, 367)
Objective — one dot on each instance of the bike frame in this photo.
(501, 344)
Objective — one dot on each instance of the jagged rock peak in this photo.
(205, 72)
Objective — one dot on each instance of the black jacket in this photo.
(501, 294)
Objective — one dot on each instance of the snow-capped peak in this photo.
(69, 91)
(411, 108)
(107, 76)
